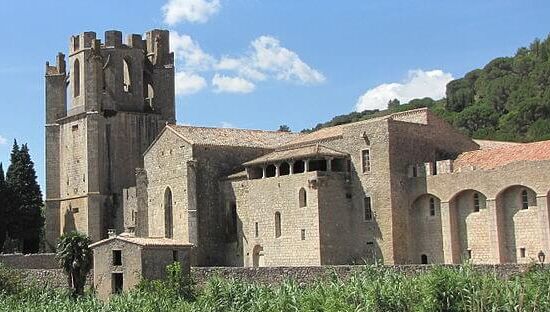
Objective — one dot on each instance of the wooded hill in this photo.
(508, 99)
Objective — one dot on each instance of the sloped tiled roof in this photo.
(144, 241)
(318, 136)
(501, 156)
(489, 144)
(233, 137)
(315, 150)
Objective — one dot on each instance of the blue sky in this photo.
(260, 64)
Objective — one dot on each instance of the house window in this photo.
(256, 230)
(476, 202)
(302, 197)
(415, 172)
(303, 234)
(367, 203)
(365, 160)
(524, 200)
(468, 254)
(432, 206)
(117, 257)
(277, 224)
(522, 252)
(175, 255)
(424, 259)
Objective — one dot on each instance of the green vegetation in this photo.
(20, 203)
(509, 99)
(373, 289)
(75, 257)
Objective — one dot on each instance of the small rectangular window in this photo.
(303, 234)
(175, 255)
(522, 252)
(256, 230)
(469, 254)
(74, 127)
(365, 159)
(117, 257)
(75, 210)
(367, 208)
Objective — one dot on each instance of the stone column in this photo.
(264, 172)
(329, 164)
(306, 165)
(277, 170)
(451, 249)
(544, 221)
(291, 167)
(495, 235)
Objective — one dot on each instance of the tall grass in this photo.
(372, 289)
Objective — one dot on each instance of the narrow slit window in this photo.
(256, 230)
(432, 206)
(277, 224)
(365, 159)
(524, 200)
(368, 209)
(303, 234)
(476, 202)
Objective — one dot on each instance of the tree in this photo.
(3, 208)
(75, 257)
(284, 128)
(392, 104)
(26, 220)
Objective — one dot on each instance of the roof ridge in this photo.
(238, 129)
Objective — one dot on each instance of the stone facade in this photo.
(393, 190)
(103, 109)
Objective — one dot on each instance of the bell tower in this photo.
(104, 107)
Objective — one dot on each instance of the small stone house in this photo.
(120, 262)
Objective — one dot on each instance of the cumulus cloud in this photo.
(189, 83)
(189, 54)
(267, 58)
(194, 11)
(3, 140)
(419, 84)
(232, 84)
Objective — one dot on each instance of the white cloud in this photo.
(194, 11)
(189, 54)
(189, 83)
(225, 124)
(3, 140)
(268, 58)
(419, 84)
(232, 84)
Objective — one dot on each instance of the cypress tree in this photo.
(3, 208)
(26, 210)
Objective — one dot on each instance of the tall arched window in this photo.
(76, 78)
(127, 76)
(524, 199)
(302, 197)
(277, 224)
(168, 214)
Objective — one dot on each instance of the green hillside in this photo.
(508, 99)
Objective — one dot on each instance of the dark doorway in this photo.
(424, 259)
(118, 283)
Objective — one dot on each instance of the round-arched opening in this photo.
(127, 72)
(426, 236)
(302, 197)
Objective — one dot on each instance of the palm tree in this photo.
(75, 257)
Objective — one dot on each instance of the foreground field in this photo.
(374, 289)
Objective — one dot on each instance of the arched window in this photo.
(277, 224)
(168, 214)
(302, 197)
(432, 206)
(476, 202)
(76, 78)
(524, 200)
(367, 209)
(424, 259)
(127, 70)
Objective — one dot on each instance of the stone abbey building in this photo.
(403, 188)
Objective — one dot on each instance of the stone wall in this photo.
(36, 261)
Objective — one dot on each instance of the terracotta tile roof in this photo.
(145, 241)
(489, 144)
(315, 150)
(233, 137)
(501, 156)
